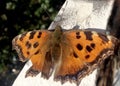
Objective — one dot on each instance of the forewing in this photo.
(33, 45)
(82, 52)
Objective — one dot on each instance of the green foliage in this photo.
(17, 16)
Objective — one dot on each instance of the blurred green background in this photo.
(18, 16)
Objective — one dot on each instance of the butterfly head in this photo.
(57, 34)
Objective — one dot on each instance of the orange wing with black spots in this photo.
(82, 52)
(33, 45)
(72, 54)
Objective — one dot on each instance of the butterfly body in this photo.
(56, 44)
(71, 54)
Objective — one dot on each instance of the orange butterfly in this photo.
(72, 54)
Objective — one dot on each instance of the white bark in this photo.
(86, 14)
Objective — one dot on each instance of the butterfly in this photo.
(70, 54)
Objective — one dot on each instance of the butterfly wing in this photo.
(82, 52)
(34, 45)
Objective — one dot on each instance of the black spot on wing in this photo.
(92, 45)
(87, 56)
(88, 48)
(28, 53)
(22, 36)
(39, 34)
(79, 46)
(75, 55)
(36, 44)
(32, 34)
(88, 35)
(28, 44)
(37, 52)
(78, 35)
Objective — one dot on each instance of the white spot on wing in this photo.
(94, 33)
(109, 37)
